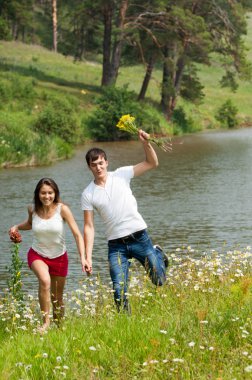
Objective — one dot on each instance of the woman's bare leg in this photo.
(57, 288)
(41, 271)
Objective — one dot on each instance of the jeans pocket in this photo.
(142, 237)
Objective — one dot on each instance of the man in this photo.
(110, 195)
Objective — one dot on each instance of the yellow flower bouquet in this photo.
(127, 123)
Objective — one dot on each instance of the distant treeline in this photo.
(173, 35)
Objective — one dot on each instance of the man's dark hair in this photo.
(93, 154)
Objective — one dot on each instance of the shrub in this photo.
(182, 123)
(111, 105)
(16, 141)
(58, 118)
(63, 149)
(12, 88)
(21, 145)
(226, 114)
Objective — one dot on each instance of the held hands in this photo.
(88, 266)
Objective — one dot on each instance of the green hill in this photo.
(36, 83)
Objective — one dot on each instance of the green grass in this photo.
(197, 326)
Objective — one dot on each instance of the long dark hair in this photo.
(49, 182)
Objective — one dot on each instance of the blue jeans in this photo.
(140, 248)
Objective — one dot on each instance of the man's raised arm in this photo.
(151, 159)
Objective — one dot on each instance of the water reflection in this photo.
(200, 196)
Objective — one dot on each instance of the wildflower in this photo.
(16, 237)
(248, 368)
(92, 348)
(127, 123)
(178, 360)
(191, 344)
(172, 340)
(80, 291)
(45, 355)
(19, 364)
(245, 332)
(58, 359)
(163, 331)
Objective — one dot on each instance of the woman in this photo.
(48, 256)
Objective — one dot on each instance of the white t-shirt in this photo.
(115, 204)
(49, 235)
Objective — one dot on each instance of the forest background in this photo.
(70, 69)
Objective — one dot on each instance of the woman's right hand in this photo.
(13, 229)
(15, 235)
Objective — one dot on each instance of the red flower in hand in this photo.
(16, 237)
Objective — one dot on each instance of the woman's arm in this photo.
(25, 225)
(69, 218)
(89, 237)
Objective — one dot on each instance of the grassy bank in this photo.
(197, 326)
(39, 89)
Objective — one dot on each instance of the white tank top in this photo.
(49, 235)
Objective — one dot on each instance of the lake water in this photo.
(200, 195)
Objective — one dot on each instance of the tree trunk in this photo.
(177, 83)
(179, 74)
(15, 30)
(54, 21)
(111, 64)
(147, 78)
(166, 85)
(23, 34)
(117, 49)
(108, 16)
(171, 84)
